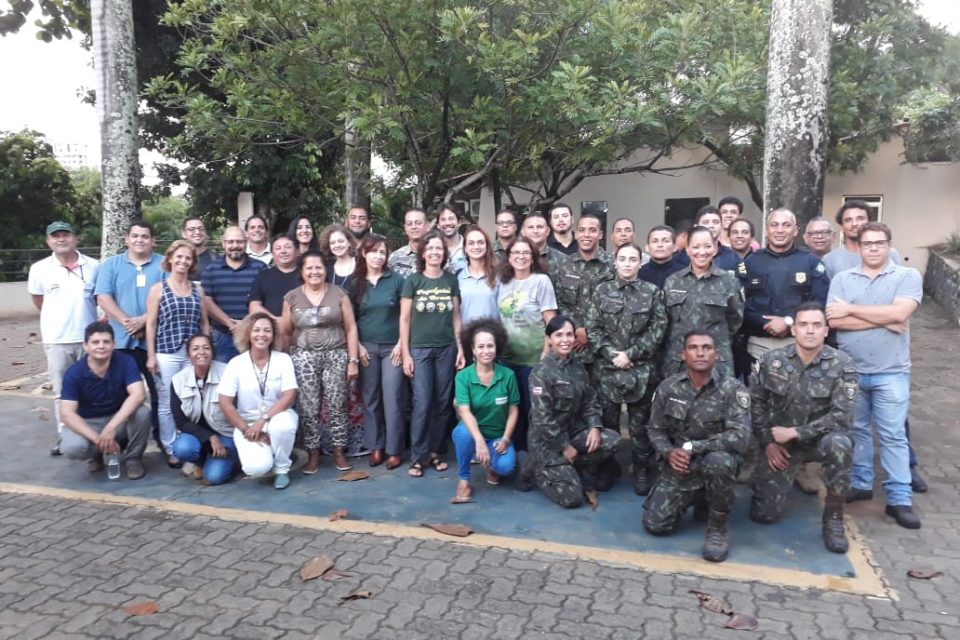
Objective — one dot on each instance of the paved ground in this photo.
(67, 567)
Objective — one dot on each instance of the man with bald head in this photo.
(226, 287)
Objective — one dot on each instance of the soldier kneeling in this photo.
(567, 444)
(699, 426)
(803, 397)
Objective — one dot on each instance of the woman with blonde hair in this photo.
(175, 312)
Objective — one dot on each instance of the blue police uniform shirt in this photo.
(775, 284)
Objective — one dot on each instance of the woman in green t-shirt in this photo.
(487, 399)
(429, 325)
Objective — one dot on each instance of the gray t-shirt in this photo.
(841, 259)
(877, 350)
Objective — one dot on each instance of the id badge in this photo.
(141, 280)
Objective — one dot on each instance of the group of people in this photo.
(524, 350)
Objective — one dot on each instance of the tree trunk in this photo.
(356, 170)
(794, 161)
(115, 63)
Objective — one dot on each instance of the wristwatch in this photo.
(788, 320)
(687, 446)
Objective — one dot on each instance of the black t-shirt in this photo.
(271, 285)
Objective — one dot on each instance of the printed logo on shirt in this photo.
(501, 400)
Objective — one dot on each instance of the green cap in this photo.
(53, 227)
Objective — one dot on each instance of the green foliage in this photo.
(34, 190)
(166, 214)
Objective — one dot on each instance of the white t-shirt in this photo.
(241, 380)
(68, 301)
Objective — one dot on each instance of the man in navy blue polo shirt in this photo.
(226, 287)
(101, 405)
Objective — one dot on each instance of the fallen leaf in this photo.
(351, 476)
(145, 608)
(711, 603)
(339, 514)
(459, 530)
(46, 386)
(359, 595)
(742, 622)
(333, 574)
(18, 362)
(592, 500)
(315, 567)
(10, 387)
(919, 574)
(33, 334)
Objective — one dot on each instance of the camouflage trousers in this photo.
(714, 472)
(562, 481)
(638, 414)
(834, 451)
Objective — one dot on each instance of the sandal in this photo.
(438, 464)
(464, 494)
(492, 477)
(313, 462)
(340, 460)
(415, 470)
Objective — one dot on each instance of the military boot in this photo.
(607, 474)
(640, 475)
(834, 537)
(716, 542)
(525, 475)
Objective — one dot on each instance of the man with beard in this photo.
(851, 217)
(561, 235)
(226, 288)
(358, 222)
(194, 232)
(448, 223)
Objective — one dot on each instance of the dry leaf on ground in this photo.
(333, 574)
(458, 530)
(315, 567)
(18, 362)
(742, 622)
(145, 608)
(711, 603)
(919, 574)
(10, 387)
(339, 514)
(351, 476)
(592, 500)
(359, 595)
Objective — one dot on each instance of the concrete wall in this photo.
(921, 203)
(15, 301)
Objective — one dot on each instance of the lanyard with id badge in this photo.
(141, 277)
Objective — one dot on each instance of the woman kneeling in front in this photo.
(487, 400)
(257, 391)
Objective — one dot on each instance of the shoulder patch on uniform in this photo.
(777, 363)
(537, 391)
(820, 268)
(743, 398)
(850, 390)
(742, 269)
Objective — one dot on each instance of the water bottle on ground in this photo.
(113, 466)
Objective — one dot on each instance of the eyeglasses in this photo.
(874, 244)
(820, 234)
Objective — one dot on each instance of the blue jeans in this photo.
(883, 402)
(523, 382)
(502, 464)
(187, 448)
(432, 404)
(223, 345)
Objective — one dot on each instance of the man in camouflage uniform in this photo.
(626, 320)
(567, 442)
(700, 425)
(803, 396)
(404, 260)
(577, 276)
(535, 229)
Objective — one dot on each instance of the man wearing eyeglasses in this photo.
(505, 232)
(195, 233)
(851, 217)
(61, 286)
(870, 307)
(818, 236)
(404, 259)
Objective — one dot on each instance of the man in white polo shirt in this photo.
(62, 289)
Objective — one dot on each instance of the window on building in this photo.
(875, 202)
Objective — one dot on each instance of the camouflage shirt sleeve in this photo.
(760, 406)
(735, 308)
(736, 431)
(658, 430)
(544, 425)
(842, 398)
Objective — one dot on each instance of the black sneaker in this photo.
(859, 494)
(917, 483)
(904, 515)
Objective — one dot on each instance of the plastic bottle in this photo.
(113, 466)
